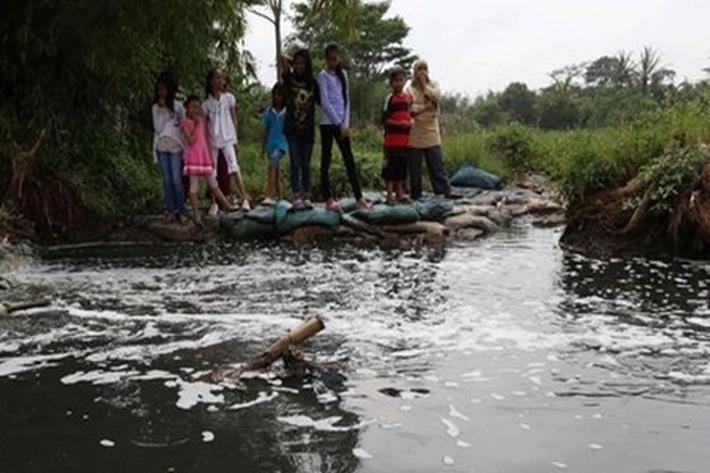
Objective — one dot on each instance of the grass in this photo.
(578, 162)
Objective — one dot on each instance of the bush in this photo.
(516, 146)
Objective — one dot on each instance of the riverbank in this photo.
(430, 221)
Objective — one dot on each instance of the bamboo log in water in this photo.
(295, 337)
(276, 350)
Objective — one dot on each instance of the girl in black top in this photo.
(301, 97)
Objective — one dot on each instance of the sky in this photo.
(473, 46)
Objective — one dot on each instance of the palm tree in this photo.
(624, 69)
(648, 67)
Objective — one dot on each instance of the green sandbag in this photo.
(248, 229)
(434, 209)
(306, 218)
(388, 215)
(470, 176)
(349, 204)
(358, 225)
(263, 214)
(288, 220)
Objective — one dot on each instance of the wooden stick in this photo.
(295, 337)
(275, 351)
(10, 308)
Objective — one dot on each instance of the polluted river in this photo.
(504, 355)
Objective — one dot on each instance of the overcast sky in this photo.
(476, 45)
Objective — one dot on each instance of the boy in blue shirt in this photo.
(275, 144)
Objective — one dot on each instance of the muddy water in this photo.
(508, 355)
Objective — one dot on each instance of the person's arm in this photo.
(188, 128)
(235, 120)
(233, 112)
(285, 67)
(346, 120)
(265, 132)
(158, 124)
(325, 99)
(432, 92)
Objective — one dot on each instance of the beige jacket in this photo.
(425, 132)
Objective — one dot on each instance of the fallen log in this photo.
(275, 351)
(295, 337)
(7, 309)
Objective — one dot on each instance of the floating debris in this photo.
(261, 399)
(107, 443)
(451, 429)
(207, 436)
(362, 454)
(456, 414)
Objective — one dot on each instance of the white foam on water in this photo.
(192, 394)
(498, 397)
(594, 446)
(98, 377)
(451, 429)
(687, 378)
(456, 414)
(323, 425)
(22, 364)
(261, 399)
(536, 380)
(525, 427)
(560, 465)
(449, 461)
(462, 444)
(391, 426)
(362, 454)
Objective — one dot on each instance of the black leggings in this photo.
(328, 134)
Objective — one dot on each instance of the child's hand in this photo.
(344, 132)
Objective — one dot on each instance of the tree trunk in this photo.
(277, 11)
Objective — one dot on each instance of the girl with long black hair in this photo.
(335, 126)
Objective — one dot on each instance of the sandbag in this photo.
(470, 176)
(360, 226)
(434, 209)
(349, 204)
(388, 215)
(248, 229)
(293, 220)
(262, 214)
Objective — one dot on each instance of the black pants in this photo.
(395, 169)
(328, 134)
(434, 157)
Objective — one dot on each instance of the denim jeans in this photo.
(174, 194)
(300, 150)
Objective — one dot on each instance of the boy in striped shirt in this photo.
(397, 121)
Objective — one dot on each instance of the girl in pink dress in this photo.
(198, 161)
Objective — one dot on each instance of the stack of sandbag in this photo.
(469, 176)
(272, 222)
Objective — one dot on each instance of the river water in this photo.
(506, 355)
